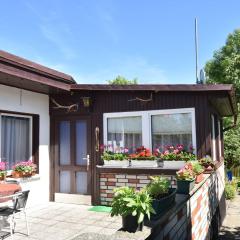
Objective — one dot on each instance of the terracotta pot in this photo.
(199, 178)
(2, 177)
(16, 174)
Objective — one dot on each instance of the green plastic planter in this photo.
(185, 187)
(163, 204)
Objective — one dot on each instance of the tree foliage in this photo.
(225, 68)
(120, 80)
(225, 65)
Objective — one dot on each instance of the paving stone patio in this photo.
(231, 225)
(56, 221)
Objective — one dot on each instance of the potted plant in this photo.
(198, 170)
(162, 193)
(185, 179)
(3, 172)
(114, 156)
(142, 157)
(133, 206)
(24, 169)
(174, 156)
(207, 163)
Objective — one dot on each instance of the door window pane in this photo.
(171, 129)
(64, 143)
(81, 141)
(15, 139)
(64, 181)
(124, 132)
(82, 182)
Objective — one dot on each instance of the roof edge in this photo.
(35, 67)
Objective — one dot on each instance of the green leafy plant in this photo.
(158, 187)
(197, 167)
(206, 162)
(178, 152)
(25, 167)
(230, 191)
(127, 201)
(186, 173)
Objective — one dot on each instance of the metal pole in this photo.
(196, 49)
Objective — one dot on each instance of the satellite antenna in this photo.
(202, 76)
(196, 50)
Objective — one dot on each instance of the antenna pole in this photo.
(196, 49)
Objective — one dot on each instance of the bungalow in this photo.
(59, 124)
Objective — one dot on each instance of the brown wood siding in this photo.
(118, 101)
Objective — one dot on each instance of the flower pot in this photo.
(16, 174)
(163, 204)
(174, 164)
(115, 163)
(130, 224)
(199, 178)
(184, 186)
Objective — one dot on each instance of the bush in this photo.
(230, 191)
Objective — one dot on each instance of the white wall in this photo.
(13, 99)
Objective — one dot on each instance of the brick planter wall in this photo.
(109, 181)
(190, 218)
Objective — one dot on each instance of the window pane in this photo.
(171, 129)
(81, 182)
(64, 143)
(65, 180)
(124, 132)
(81, 141)
(15, 139)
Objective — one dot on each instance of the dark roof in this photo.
(34, 67)
(154, 87)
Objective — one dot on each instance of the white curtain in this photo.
(15, 139)
(125, 132)
(172, 129)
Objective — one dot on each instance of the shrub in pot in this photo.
(198, 170)
(162, 194)
(185, 179)
(207, 163)
(133, 206)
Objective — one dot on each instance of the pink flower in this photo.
(125, 150)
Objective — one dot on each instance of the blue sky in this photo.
(96, 40)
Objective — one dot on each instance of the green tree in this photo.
(120, 80)
(224, 67)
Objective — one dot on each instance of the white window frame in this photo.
(30, 130)
(146, 123)
(213, 138)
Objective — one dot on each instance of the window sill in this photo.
(24, 180)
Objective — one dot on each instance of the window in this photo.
(172, 129)
(150, 128)
(16, 138)
(124, 132)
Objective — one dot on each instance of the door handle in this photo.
(97, 139)
(88, 161)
